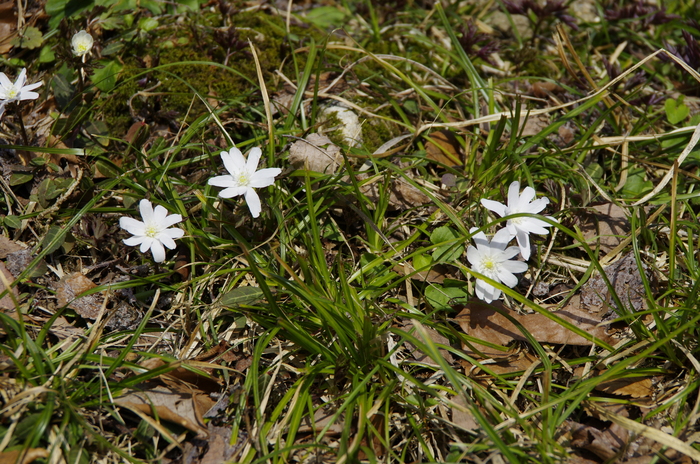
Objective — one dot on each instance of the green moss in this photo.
(175, 79)
(328, 128)
(376, 132)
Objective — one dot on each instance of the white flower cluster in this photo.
(243, 176)
(492, 258)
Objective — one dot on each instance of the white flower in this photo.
(82, 43)
(243, 177)
(10, 92)
(492, 259)
(153, 232)
(521, 227)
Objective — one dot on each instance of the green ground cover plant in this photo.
(268, 232)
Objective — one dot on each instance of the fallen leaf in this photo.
(483, 321)
(402, 195)
(72, 285)
(435, 275)
(8, 26)
(435, 337)
(9, 246)
(219, 449)
(636, 387)
(158, 401)
(18, 261)
(462, 417)
(534, 124)
(6, 303)
(315, 153)
(443, 147)
(604, 225)
(21, 457)
(545, 89)
(605, 443)
(628, 284)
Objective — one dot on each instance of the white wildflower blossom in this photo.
(153, 232)
(243, 177)
(10, 92)
(81, 43)
(493, 259)
(521, 227)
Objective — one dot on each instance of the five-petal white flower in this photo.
(521, 227)
(493, 259)
(81, 43)
(243, 177)
(10, 92)
(153, 232)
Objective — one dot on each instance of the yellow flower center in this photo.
(243, 178)
(13, 92)
(488, 264)
(151, 231)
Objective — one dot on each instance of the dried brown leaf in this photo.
(21, 457)
(483, 321)
(605, 225)
(176, 406)
(462, 417)
(435, 337)
(315, 153)
(8, 26)
(72, 285)
(402, 195)
(9, 246)
(628, 284)
(444, 148)
(534, 124)
(6, 303)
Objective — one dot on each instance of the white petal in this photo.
(170, 220)
(223, 181)
(253, 159)
(159, 214)
(253, 201)
(496, 207)
(479, 238)
(534, 226)
(524, 244)
(536, 206)
(514, 194)
(501, 239)
(174, 233)
(233, 160)
(473, 255)
(146, 210)
(133, 241)
(24, 95)
(486, 292)
(167, 241)
(509, 253)
(515, 267)
(507, 278)
(264, 177)
(158, 251)
(19, 83)
(4, 81)
(232, 192)
(146, 244)
(527, 196)
(132, 226)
